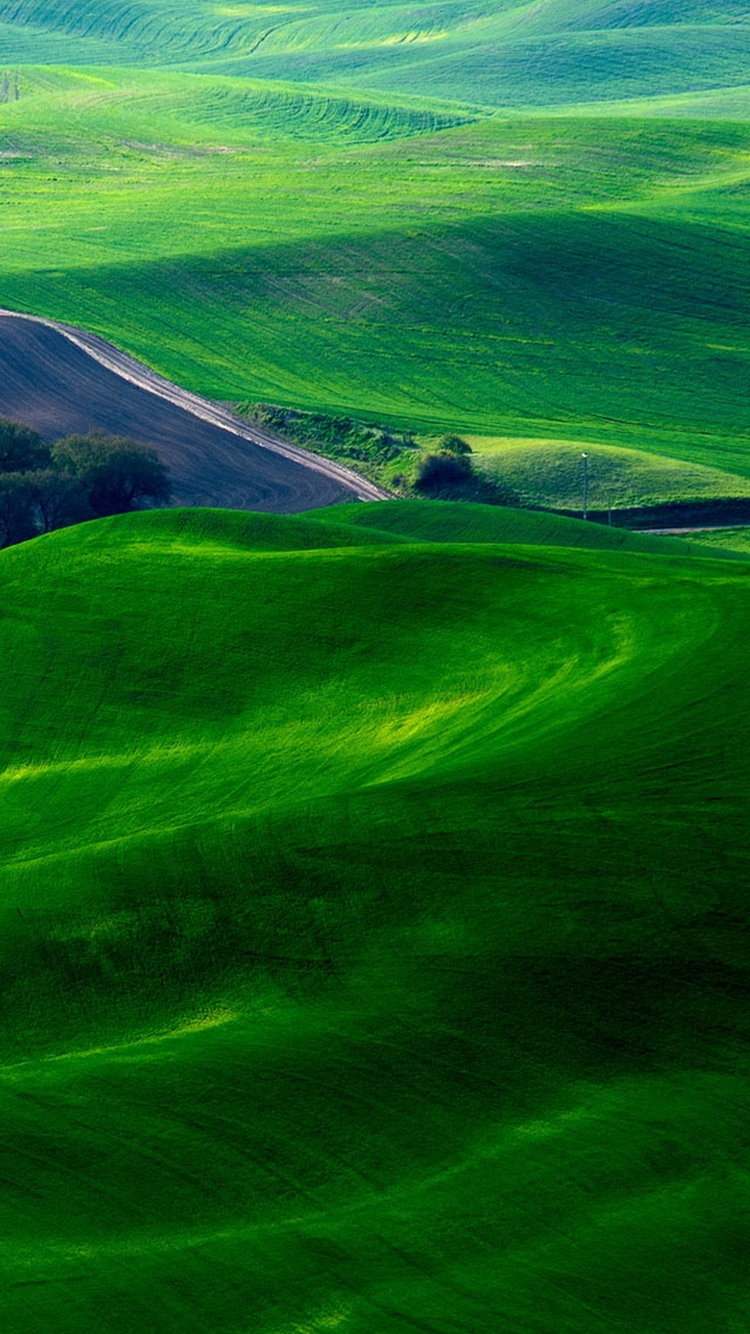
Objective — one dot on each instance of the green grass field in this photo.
(439, 521)
(733, 539)
(550, 473)
(371, 927)
(514, 222)
(506, 54)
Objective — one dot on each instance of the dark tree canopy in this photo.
(440, 472)
(81, 477)
(116, 474)
(21, 449)
(17, 517)
(59, 500)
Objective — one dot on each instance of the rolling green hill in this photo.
(549, 472)
(500, 53)
(445, 521)
(518, 221)
(422, 262)
(370, 929)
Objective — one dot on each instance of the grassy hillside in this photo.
(370, 928)
(420, 262)
(517, 221)
(445, 521)
(500, 53)
(550, 472)
(372, 882)
(732, 539)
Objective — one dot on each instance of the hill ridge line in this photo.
(137, 373)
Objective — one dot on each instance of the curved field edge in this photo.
(373, 912)
(459, 521)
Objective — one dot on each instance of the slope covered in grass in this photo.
(549, 472)
(500, 53)
(732, 539)
(371, 931)
(458, 521)
(570, 278)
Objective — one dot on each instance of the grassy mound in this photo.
(370, 928)
(549, 472)
(443, 521)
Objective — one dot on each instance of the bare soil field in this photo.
(62, 380)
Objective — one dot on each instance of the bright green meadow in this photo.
(521, 222)
(371, 906)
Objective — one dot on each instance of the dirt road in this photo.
(61, 380)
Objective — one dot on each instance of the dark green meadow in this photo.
(371, 926)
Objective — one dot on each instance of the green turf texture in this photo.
(373, 882)
(562, 52)
(371, 936)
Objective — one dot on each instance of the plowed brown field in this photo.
(61, 380)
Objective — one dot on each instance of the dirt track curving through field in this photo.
(62, 380)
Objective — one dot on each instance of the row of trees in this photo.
(44, 486)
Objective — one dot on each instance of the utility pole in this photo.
(585, 459)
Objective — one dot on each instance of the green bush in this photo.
(440, 474)
(453, 444)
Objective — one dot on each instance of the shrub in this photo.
(442, 473)
(453, 444)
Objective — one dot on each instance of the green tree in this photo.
(21, 449)
(58, 500)
(115, 474)
(17, 516)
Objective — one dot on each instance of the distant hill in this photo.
(495, 53)
(441, 521)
